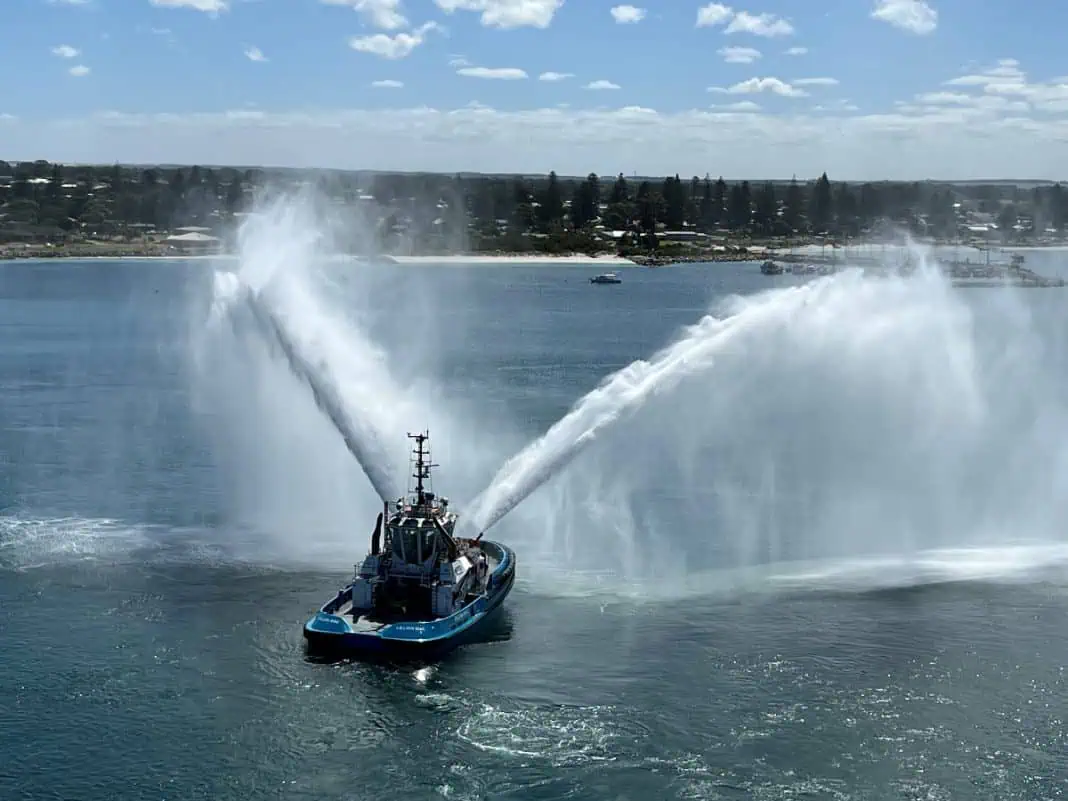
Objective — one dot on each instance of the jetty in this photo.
(961, 272)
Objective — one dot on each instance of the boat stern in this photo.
(323, 623)
(333, 635)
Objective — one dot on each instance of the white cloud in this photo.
(835, 106)
(384, 14)
(768, 25)
(969, 126)
(739, 55)
(741, 105)
(555, 76)
(254, 54)
(1004, 87)
(387, 84)
(1006, 72)
(625, 15)
(713, 14)
(397, 46)
(945, 98)
(66, 51)
(755, 86)
(507, 13)
(602, 85)
(907, 143)
(79, 71)
(207, 6)
(815, 82)
(458, 61)
(493, 73)
(914, 16)
(797, 51)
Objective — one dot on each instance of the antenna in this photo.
(421, 459)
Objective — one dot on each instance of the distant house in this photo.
(681, 236)
(193, 242)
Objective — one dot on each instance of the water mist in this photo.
(294, 489)
(848, 418)
(362, 441)
(842, 419)
(695, 352)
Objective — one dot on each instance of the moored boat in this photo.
(606, 278)
(420, 591)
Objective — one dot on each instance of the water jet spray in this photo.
(361, 442)
(848, 417)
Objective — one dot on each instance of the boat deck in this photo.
(358, 622)
(366, 623)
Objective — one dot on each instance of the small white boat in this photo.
(606, 278)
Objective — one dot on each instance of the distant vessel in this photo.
(772, 268)
(420, 591)
(606, 278)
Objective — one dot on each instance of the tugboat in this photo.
(606, 278)
(420, 591)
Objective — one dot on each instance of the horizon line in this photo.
(562, 176)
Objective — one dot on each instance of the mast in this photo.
(421, 458)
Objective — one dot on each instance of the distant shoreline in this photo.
(503, 259)
(756, 253)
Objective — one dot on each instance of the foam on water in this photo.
(29, 542)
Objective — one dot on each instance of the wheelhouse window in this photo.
(406, 544)
(429, 541)
(414, 544)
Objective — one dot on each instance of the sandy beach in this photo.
(533, 258)
(604, 262)
(458, 260)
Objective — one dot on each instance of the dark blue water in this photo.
(151, 623)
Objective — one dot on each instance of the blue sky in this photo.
(861, 88)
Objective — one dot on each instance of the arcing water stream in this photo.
(363, 443)
(625, 392)
(941, 353)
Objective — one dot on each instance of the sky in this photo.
(861, 89)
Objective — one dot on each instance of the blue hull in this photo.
(331, 634)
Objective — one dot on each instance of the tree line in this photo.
(43, 199)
